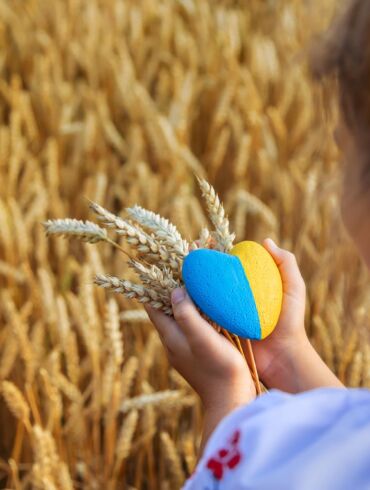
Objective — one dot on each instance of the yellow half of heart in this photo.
(265, 281)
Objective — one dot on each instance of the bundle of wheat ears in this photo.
(160, 251)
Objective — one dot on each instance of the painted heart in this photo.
(240, 291)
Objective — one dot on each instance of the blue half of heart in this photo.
(218, 285)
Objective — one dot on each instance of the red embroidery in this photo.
(216, 467)
(235, 438)
(234, 461)
(226, 458)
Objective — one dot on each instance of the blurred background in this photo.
(124, 102)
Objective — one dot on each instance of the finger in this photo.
(193, 325)
(171, 335)
(288, 267)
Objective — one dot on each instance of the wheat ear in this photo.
(135, 291)
(86, 231)
(83, 230)
(16, 402)
(153, 276)
(144, 243)
(173, 460)
(160, 398)
(217, 216)
(164, 230)
(125, 439)
(113, 332)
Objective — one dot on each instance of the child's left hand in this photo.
(207, 360)
(286, 359)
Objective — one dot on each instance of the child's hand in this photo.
(289, 331)
(210, 364)
(207, 360)
(286, 359)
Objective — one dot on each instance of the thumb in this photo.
(293, 282)
(187, 316)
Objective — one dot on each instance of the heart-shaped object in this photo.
(241, 291)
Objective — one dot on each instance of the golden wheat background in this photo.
(122, 102)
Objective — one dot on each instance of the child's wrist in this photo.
(300, 368)
(286, 359)
(217, 409)
(227, 398)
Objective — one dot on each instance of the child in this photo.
(313, 434)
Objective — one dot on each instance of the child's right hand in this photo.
(286, 359)
(207, 360)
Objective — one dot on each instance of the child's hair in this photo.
(345, 53)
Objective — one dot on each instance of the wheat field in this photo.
(123, 102)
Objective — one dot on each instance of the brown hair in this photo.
(344, 52)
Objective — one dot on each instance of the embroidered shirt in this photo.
(317, 440)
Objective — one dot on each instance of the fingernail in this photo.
(177, 295)
(272, 243)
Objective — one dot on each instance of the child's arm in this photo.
(209, 362)
(286, 359)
